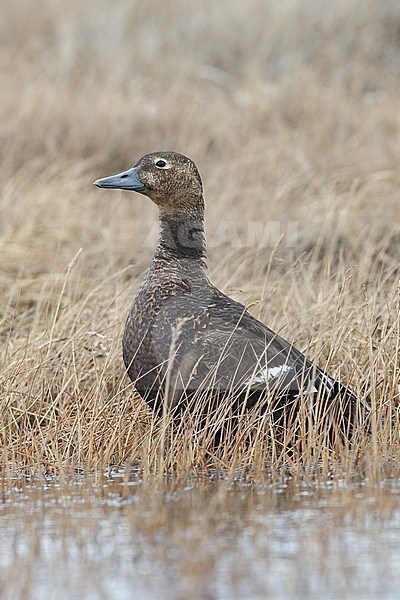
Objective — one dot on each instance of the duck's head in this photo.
(170, 179)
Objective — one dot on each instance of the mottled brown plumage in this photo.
(183, 336)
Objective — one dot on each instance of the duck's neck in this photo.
(182, 239)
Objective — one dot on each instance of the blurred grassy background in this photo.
(291, 112)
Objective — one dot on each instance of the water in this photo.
(113, 540)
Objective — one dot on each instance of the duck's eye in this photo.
(161, 164)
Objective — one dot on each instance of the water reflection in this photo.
(89, 540)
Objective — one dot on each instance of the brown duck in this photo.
(183, 336)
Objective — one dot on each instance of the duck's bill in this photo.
(127, 180)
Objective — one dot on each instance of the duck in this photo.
(184, 337)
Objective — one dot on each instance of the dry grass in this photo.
(291, 112)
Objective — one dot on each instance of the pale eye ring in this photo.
(160, 163)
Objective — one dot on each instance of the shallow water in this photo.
(112, 539)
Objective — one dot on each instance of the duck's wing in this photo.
(242, 354)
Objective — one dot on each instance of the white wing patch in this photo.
(267, 374)
(275, 371)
